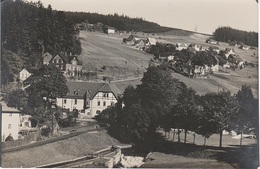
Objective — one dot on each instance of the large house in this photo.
(89, 98)
(10, 122)
(66, 63)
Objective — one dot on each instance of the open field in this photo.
(63, 150)
(121, 60)
(171, 154)
(100, 50)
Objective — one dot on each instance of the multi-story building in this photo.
(70, 65)
(10, 122)
(89, 98)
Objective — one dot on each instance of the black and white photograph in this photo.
(129, 84)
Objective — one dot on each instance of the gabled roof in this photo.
(110, 87)
(6, 109)
(67, 59)
(79, 89)
(30, 69)
(151, 40)
(47, 57)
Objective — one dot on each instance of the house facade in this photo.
(66, 63)
(10, 122)
(24, 74)
(46, 58)
(89, 98)
(109, 30)
(180, 46)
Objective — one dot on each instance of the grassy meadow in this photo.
(109, 57)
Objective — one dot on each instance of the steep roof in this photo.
(6, 109)
(110, 87)
(151, 41)
(47, 57)
(78, 89)
(68, 58)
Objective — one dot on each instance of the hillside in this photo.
(100, 50)
(63, 150)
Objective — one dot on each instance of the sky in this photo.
(203, 15)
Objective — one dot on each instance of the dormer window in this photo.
(76, 92)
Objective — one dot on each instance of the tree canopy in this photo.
(48, 81)
(28, 28)
(227, 34)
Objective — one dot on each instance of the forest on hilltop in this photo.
(26, 26)
(28, 29)
(227, 34)
(120, 22)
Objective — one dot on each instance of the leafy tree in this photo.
(48, 81)
(130, 96)
(184, 113)
(136, 123)
(219, 109)
(158, 92)
(247, 110)
(202, 58)
(17, 98)
(11, 66)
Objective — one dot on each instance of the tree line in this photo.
(165, 102)
(29, 29)
(120, 22)
(227, 34)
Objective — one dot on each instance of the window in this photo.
(75, 101)
(10, 114)
(105, 94)
(112, 103)
(98, 103)
(59, 60)
(54, 61)
(9, 126)
(98, 112)
(65, 101)
(104, 103)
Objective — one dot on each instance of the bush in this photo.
(45, 131)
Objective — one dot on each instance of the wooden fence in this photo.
(20, 142)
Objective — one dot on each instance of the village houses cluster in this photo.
(89, 98)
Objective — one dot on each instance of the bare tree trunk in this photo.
(173, 135)
(179, 139)
(241, 138)
(194, 136)
(185, 136)
(220, 139)
(205, 140)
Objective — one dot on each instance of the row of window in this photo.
(98, 103)
(65, 101)
(104, 103)
(57, 61)
(24, 75)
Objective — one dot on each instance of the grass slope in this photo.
(107, 50)
(59, 151)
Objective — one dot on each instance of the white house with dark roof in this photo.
(10, 122)
(88, 97)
